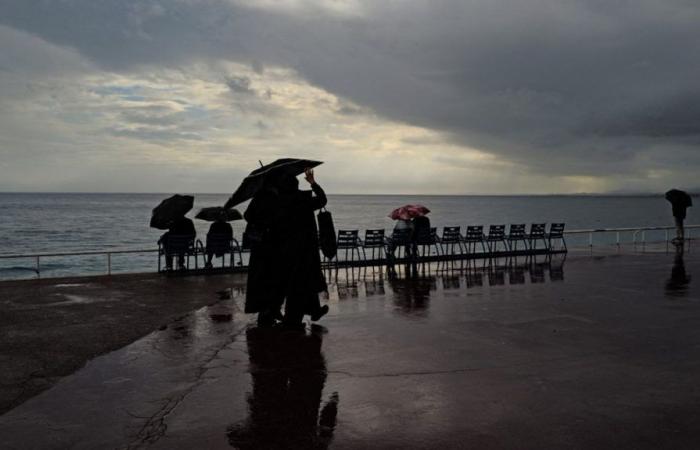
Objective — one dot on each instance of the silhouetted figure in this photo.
(176, 241)
(678, 283)
(288, 373)
(680, 201)
(401, 227)
(298, 252)
(218, 240)
(265, 284)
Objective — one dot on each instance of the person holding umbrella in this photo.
(170, 215)
(302, 277)
(680, 201)
(281, 232)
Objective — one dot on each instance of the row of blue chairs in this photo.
(452, 241)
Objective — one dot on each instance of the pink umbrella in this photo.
(408, 212)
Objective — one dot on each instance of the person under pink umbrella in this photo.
(409, 212)
(404, 217)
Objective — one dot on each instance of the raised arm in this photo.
(319, 200)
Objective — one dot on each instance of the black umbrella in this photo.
(170, 209)
(255, 181)
(678, 197)
(215, 213)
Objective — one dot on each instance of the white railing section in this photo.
(637, 232)
(107, 253)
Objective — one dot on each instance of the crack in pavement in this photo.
(155, 426)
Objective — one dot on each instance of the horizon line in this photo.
(520, 194)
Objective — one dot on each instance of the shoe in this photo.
(322, 311)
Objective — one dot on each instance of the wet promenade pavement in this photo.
(592, 352)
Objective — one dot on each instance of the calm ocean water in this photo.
(47, 223)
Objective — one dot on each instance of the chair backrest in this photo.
(537, 230)
(497, 231)
(475, 233)
(517, 231)
(451, 234)
(556, 230)
(218, 242)
(179, 243)
(374, 238)
(401, 236)
(425, 236)
(347, 238)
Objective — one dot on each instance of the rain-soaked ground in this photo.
(588, 352)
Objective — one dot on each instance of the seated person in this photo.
(181, 227)
(218, 240)
(420, 234)
(402, 228)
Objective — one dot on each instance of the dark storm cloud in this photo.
(572, 87)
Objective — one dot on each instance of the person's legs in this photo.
(680, 232)
(168, 259)
(210, 256)
(181, 261)
(293, 312)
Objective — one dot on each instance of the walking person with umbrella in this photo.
(284, 260)
(303, 278)
(680, 201)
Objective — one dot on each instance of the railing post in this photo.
(666, 233)
(38, 267)
(109, 263)
(590, 239)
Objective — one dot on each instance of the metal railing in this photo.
(107, 253)
(636, 232)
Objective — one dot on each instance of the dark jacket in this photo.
(265, 284)
(218, 238)
(679, 210)
(183, 227)
(179, 227)
(299, 247)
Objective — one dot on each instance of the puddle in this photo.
(72, 299)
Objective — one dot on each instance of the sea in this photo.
(40, 223)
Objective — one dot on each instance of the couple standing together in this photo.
(285, 265)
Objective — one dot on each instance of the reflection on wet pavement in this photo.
(677, 284)
(288, 374)
(501, 354)
(410, 287)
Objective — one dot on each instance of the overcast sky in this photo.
(440, 96)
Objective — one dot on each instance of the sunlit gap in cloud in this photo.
(335, 8)
(203, 127)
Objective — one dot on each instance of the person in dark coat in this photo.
(218, 240)
(680, 201)
(181, 227)
(299, 249)
(264, 292)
